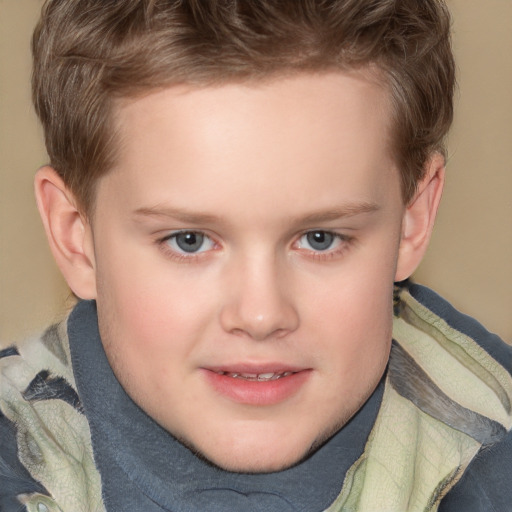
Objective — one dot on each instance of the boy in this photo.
(234, 189)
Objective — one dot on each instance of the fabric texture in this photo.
(446, 401)
(41, 413)
(435, 435)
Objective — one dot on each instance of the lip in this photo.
(255, 368)
(255, 392)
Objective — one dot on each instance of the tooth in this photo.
(256, 377)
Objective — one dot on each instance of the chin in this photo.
(244, 460)
(260, 447)
(242, 465)
(253, 457)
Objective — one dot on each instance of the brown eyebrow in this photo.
(185, 216)
(349, 210)
(178, 214)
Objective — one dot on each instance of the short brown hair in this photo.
(88, 53)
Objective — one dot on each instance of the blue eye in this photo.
(190, 242)
(319, 240)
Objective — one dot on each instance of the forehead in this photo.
(283, 131)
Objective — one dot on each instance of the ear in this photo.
(419, 217)
(68, 232)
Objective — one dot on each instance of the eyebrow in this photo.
(349, 210)
(178, 214)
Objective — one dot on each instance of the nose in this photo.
(258, 303)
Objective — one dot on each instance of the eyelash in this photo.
(345, 242)
(183, 257)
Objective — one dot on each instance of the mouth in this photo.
(257, 386)
(256, 377)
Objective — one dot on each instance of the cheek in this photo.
(148, 327)
(356, 328)
(158, 312)
(351, 318)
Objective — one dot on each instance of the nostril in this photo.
(260, 309)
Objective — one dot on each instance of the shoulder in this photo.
(35, 374)
(44, 436)
(466, 325)
(15, 478)
(485, 484)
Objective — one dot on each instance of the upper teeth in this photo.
(256, 376)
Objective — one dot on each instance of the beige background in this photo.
(470, 258)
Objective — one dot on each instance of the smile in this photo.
(259, 387)
(261, 377)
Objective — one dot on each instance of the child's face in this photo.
(250, 230)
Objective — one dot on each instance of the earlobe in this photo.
(68, 232)
(418, 219)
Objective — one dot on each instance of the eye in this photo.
(319, 240)
(189, 242)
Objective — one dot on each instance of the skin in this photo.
(254, 168)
